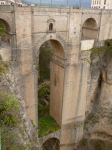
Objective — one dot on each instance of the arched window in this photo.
(50, 27)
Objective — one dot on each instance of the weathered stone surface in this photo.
(28, 28)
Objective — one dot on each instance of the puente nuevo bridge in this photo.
(69, 31)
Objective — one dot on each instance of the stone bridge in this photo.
(69, 31)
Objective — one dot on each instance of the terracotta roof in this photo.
(17, 1)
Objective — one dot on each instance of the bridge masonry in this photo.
(28, 29)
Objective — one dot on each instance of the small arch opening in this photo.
(4, 32)
(50, 144)
(50, 27)
(5, 40)
(89, 29)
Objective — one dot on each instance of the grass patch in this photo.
(43, 110)
(47, 125)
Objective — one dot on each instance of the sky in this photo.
(64, 2)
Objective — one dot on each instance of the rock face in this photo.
(27, 133)
(98, 122)
(5, 51)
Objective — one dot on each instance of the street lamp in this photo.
(67, 2)
(80, 2)
(40, 2)
(51, 2)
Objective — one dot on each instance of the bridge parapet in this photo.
(51, 9)
(6, 8)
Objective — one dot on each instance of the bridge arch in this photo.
(51, 143)
(89, 28)
(49, 37)
(6, 21)
(7, 28)
(57, 62)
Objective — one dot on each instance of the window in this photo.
(97, 2)
(103, 7)
(93, 2)
(51, 27)
(104, 2)
(99, 6)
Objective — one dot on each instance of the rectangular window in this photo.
(104, 2)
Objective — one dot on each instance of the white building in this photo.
(3, 2)
(101, 4)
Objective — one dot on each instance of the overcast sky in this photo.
(64, 2)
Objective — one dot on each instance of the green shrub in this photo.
(9, 108)
(12, 138)
(43, 110)
(83, 142)
(41, 92)
(6, 65)
(9, 116)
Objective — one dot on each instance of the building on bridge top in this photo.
(9, 2)
(101, 4)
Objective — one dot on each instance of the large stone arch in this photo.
(56, 73)
(6, 20)
(47, 38)
(90, 28)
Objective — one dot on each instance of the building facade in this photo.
(9, 2)
(101, 4)
(2, 2)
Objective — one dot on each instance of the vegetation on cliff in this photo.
(46, 123)
(97, 51)
(9, 112)
(98, 121)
